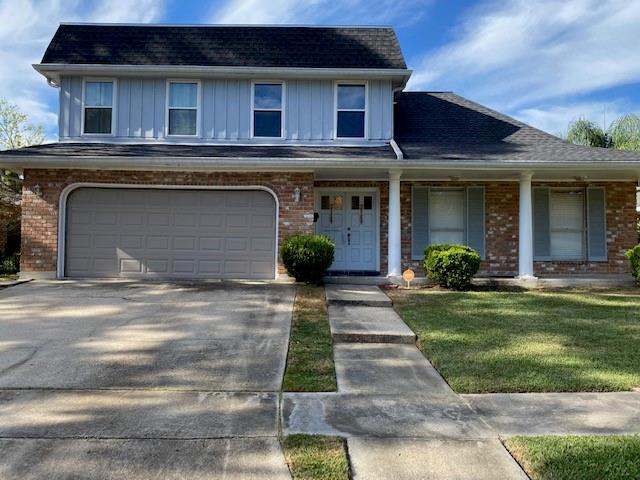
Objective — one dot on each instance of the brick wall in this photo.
(621, 232)
(501, 227)
(40, 213)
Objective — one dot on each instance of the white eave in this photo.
(53, 72)
(299, 163)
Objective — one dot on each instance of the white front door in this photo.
(350, 219)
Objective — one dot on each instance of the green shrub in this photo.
(307, 257)
(634, 258)
(451, 266)
(10, 265)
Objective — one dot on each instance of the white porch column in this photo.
(525, 241)
(394, 255)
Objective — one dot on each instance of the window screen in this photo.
(183, 108)
(446, 217)
(98, 107)
(267, 110)
(351, 111)
(566, 225)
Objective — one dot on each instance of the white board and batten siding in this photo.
(225, 109)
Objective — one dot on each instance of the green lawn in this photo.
(532, 341)
(310, 359)
(584, 458)
(312, 457)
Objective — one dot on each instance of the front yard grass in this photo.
(572, 457)
(312, 457)
(530, 341)
(310, 359)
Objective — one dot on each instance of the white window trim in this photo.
(283, 133)
(197, 108)
(583, 232)
(337, 83)
(114, 96)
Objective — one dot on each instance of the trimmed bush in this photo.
(10, 265)
(451, 266)
(307, 257)
(634, 258)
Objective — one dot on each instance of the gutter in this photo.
(396, 149)
(300, 163)
(52, 71)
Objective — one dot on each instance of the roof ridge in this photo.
(227, 25)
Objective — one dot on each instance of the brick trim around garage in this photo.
(41, 209)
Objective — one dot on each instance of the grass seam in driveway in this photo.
(316, 457)
(310, 366)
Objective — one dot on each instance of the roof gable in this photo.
(229, 46)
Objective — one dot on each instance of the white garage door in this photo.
(127, 232)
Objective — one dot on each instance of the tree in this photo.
(622, 134)
(587, 133)
(625, 132)
(15, 132)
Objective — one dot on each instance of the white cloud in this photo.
(515, 53)
(25, 31)
(317, 11)
(555, 118)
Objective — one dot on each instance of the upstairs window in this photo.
(183, 108)
(351, 106)
(267, 110)
(98, 107)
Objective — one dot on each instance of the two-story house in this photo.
(192, 151)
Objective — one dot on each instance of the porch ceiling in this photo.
(574, 174)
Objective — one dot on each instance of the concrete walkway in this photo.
(403, 421)
(400, 418)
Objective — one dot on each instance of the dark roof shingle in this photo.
(234, 46)
(446, 126)
(69, 149)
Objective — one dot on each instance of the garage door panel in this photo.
(170, 233)
(160, 267)
(212, 244)
(212, 220)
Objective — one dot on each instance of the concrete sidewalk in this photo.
(612, 413)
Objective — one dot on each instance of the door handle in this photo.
(348, 238)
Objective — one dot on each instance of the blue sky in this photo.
(545, 62)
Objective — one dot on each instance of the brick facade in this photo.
(501, 228)
(621, 231)
(40, 212)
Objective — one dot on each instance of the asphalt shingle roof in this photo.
(68, 149)
(429, 127)
(236, 46)
(446, 126)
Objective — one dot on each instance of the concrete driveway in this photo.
(140, 380)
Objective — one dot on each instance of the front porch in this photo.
(498, 215)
